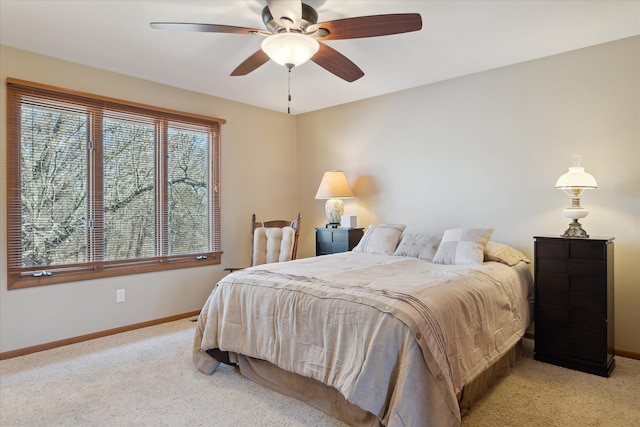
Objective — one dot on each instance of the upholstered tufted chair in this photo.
(272, 241)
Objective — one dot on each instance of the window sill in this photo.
(27, 278)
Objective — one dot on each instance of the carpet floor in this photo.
(146, 377)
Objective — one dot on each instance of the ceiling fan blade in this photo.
(205, 28)
(369, 26)
(251, 63)
(336, 63)
(290, 9)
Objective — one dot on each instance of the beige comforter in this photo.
(398, 337)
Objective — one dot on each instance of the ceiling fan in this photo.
(293, 36)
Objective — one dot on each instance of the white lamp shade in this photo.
(334, 185)
(576, 178)
(290, 48)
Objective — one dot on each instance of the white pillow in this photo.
(380, 239)
(418, 246)
(463, 246)
(505, 254)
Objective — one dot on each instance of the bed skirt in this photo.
(330, 401)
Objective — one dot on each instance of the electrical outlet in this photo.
(120, 295)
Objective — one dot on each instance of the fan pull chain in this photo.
(289, 91)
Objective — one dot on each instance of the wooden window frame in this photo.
(21, 277)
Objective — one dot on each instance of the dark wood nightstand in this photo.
(334, 240)
(574, 303)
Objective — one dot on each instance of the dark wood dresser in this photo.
(334, 240)
(574, 303)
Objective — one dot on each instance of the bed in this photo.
(402, 331)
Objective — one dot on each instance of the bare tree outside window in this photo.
(129, 204)
(53, 187)
(188, 207)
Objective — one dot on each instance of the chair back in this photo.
(274, 241)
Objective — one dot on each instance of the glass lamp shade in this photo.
(290, 49)
(334, 187)
(576, 178)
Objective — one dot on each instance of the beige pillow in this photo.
(380, 239)
(418, 246)
(463, 246)
(505, 254)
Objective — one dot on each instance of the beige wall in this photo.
(482, 150)
(258, 174)
(486, 150)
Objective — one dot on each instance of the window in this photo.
(99, 187)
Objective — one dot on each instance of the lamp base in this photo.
(575, 230)
(334, 208)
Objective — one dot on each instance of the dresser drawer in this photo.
(588, 310)
(552, 330)
(585, 268)
(553, 298)
(588, 336)
(585, 285)
(340, 238)
(587, 250)
(551, 346)
(324, 237)
(552, 289)
(553, 248)
(323, 248)
(588, 352)
(552, 265)
(552, 313)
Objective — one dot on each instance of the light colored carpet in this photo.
(145, 377)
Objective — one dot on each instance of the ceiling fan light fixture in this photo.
(290, 48)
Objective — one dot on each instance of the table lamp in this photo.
(573, 183)
(334, 187)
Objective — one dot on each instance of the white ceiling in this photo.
(457, 38)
